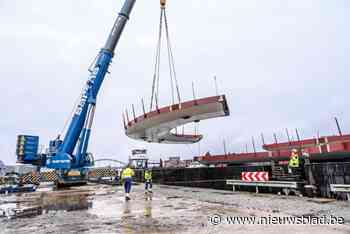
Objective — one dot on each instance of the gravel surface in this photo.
(289, 205)
(170, 210)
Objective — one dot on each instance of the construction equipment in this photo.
(69, 157)
(160, 124)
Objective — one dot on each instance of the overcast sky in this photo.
(282, 64)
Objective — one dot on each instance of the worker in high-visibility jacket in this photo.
(127, 175)
(294, 161)
(148, 181)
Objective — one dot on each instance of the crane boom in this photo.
(78, 133)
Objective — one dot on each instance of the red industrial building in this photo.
(327, 148)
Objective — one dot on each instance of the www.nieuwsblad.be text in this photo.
(276, 220)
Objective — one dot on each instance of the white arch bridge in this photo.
(108, 162)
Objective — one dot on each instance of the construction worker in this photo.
(305, 158)
(294, 161)
(148, 181)
(127, 175)
(116, 177)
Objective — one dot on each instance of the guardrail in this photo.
(345, 188)
(341, 188)
(286, 186)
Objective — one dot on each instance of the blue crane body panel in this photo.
(27, 148)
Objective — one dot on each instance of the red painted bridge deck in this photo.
(282, 151)
(314, 145)
(156, 126)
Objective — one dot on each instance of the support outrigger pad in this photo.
(156, 126)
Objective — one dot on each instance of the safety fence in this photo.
(51, 176)
(37, 177)
(102, 172)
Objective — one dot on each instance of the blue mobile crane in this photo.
(69, 157)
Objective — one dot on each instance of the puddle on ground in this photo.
(66, 201)
(33, 204)
(66, 208)
(111, 205)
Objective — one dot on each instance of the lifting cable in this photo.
(156, 67)
(172, 72)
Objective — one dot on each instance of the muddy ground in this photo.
(102, 209)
